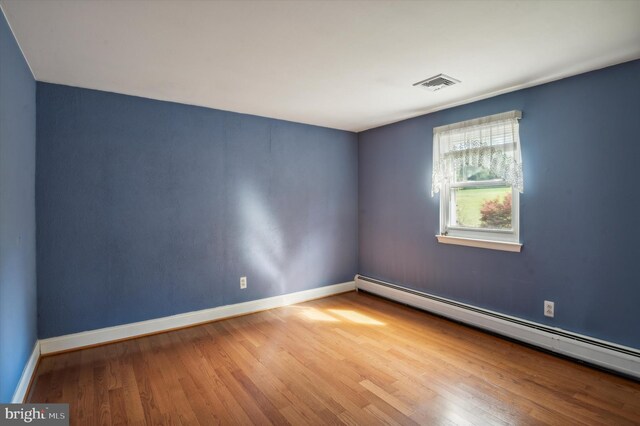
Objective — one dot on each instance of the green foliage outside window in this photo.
(496, 214)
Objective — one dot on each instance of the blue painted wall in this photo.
(579, 214)
(17, 212)
(148, 208)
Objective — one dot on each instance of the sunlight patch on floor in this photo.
(354, 316)
(317, 315)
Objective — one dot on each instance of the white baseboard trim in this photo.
(27, 374)
(126, 331)
(605, 354)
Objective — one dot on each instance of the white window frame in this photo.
(496, 239)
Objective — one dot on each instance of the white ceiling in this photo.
(342, 64)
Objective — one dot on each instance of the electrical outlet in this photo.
(243, 282)
(549, 308)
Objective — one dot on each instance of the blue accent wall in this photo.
(580, 212)
(17, 212)
(148, 208)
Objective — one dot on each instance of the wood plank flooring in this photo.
(347, 359)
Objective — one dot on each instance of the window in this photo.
(477, 169)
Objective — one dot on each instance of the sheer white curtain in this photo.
(491, 143)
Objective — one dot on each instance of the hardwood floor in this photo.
(352, 358)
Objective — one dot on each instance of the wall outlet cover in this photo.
(549, 309)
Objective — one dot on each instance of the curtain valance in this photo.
(491, 143)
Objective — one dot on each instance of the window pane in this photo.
(473, 173)
(486, 207)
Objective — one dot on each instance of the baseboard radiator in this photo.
(618, 358)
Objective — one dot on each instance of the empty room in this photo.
(319, 212)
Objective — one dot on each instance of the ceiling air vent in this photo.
(437, 82)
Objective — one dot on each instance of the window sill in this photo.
(469, 242)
